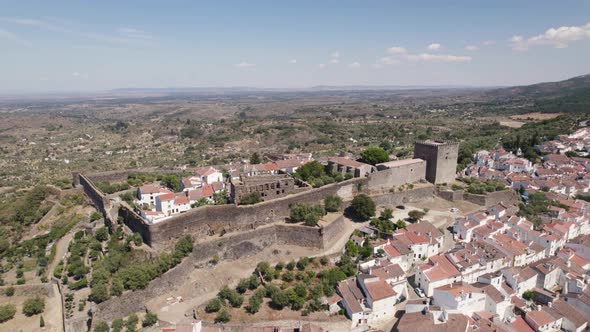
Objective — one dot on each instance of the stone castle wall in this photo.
(228, 247)
(208, 220)
(397, 176)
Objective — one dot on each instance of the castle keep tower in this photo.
(441, 160)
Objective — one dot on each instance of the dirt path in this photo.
(203, 284)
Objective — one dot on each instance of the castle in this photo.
(433, 161)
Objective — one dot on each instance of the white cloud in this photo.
(434, 47)
(334, 61)
(244, 64)
(387, 60)
(14, 38)
(123, 36)
(75, 74)
(322, 65)
(398, 53)
(472, 47)
(557, 37)
(293, 61)
(488, 42)
(354, 65)
(397, 50)
(438, 57)
(134, 33)
(335, 54)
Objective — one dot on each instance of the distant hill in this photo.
(547, 89)
(571, 95)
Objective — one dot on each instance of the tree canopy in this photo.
(362, 207)
(374, 155)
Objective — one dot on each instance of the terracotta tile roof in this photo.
(539, 317)
(149, 189)
(520, 325)
(391, 251)
(388, 271)
(440, 268)
(167, 197)
(458, 288)
(379, 290)
(418, 322)
(351, 294)
(181, 200)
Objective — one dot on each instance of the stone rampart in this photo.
(208, 220)
(407, 196)
(507, 196)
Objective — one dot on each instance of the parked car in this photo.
(419, 292)
(454, 209)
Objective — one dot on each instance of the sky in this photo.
(84, 45)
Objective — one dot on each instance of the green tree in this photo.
(255, 158)
(101, 326)
(7, 312)
(362, 207)
(528, 295)
(416, 215)
(386, 214)
(172, 181)
(149, 319)
(131, 323)
(254, 304)
(280, 300)
(9, 291)
(309, 214)
(332, 203)
(310, 170)
(102, 234)
(251, 198)
(374, 155)
(214, 305)
(33, 306)
(223, 316)
(117, 325)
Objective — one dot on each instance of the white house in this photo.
(147, 194)
(438, 272)
(459, 298)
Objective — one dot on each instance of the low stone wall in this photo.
(228, 247)
(507, 196)
(406, 196)
(451, 195)
(121, 175)
(219, 219)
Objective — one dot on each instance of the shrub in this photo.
(131, 322)
(528, 295)
(280, 300)
(102, 234)
(362, 207)
(33, 306)
(9, 291)
(332, 203)
(149, 319)
(117, 325)
(309, 214)
(254, 304)
(7, 312)
(251, 198)
(223, 316)
(41, 321)
(101, 326)
(95, 216)
(213, 306)
(374, 155)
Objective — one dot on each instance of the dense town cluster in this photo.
(503, 271)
